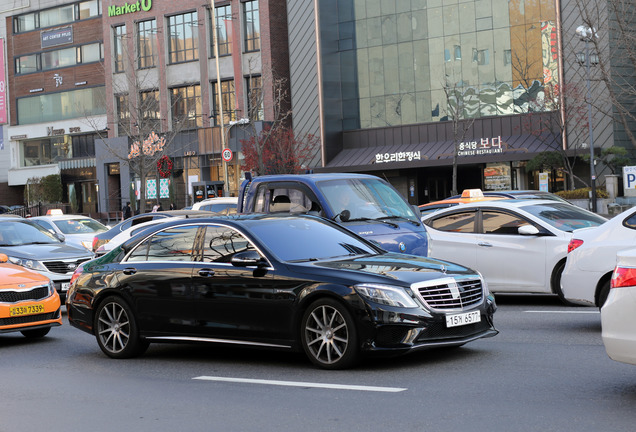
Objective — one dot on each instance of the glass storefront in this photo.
(407, 61)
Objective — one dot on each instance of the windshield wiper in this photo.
(394, 225)
(416, 223)
(37, 242)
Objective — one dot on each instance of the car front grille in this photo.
(38, 293)
(450, 293)
(439, 331)
(30, 318)
(63, 267)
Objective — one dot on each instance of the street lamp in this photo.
(587, 34)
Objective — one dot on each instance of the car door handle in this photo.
(130, 271)
(484, 244)
(206, 272)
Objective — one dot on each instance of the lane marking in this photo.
(303, 384)
(563, 312)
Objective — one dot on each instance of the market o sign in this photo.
(126, 8)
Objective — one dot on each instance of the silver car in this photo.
(77, 230)
(29, 245)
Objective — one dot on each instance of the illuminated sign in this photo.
(141, 5)
(482, 147)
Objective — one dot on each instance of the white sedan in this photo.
(77, 230)
(517, 245)
(129, 233)
(618, 314)
(592, 258)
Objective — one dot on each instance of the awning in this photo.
(440, 153)
(76, 163)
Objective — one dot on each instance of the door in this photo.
(509, 261)
(453, 237)
(237, 303)
(158, 277)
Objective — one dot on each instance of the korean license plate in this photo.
(65, 286)
(26, 310)
(463, 319)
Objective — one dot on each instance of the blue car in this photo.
(366, 205)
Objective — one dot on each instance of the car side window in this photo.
(221, 243)
(495, 222)
(630, 222)
(456, 222)
(173, 244)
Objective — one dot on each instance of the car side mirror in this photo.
(59, 236)
(528, 230)
(248, 258)
(417, 211)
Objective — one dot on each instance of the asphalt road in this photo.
(547, 370)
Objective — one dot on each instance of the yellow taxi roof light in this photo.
(472, 193)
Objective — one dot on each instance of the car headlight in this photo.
(51, 288)
(386, 295)
(28, 263)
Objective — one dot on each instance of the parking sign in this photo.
(629, 180)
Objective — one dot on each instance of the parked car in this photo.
(517, 245)
(29, 303)
(104, 237)
(225, 205)
(592, 258)
(252, 280)
(467, 196)
(29, 245)
(77, 230)
(127, 234)
(618, 314)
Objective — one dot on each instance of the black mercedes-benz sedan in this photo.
(281, 282)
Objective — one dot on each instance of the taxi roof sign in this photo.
(54, 212)
(472, 193)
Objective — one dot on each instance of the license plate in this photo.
(463, 319)
(65, 286)
(26, 310)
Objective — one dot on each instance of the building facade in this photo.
(399, 83)
(54, 81)
(165, 74)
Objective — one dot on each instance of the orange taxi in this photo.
(468, 196)
(28, 301)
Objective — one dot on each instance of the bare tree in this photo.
(137, 111)
(460, 122)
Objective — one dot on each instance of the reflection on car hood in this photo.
(11, 275)
(406, 268)
(41, 252)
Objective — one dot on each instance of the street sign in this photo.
(226, 155)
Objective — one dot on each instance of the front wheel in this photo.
(116, 329)
(329, 335)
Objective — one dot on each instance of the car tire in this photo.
(116, 329)
(603, 293)
(328, 335)
(556, 283)
(36, 333)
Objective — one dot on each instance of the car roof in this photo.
(219, 200)
(312, 178)
(509, 203)
(61, 217)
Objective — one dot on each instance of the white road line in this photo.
(563, 312)
(303, 384)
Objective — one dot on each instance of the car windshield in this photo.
(22, 232)
(79, 226)
(365, 199)
(565, 217)
(304, 239)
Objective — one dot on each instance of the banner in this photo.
(3, 85)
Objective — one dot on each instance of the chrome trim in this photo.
(449, 281)
(215, 340)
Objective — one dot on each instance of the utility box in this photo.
(207, 189)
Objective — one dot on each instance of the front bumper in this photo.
(391, 332)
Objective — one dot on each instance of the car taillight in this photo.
(78, 271)
(574, 243)
(623, 277)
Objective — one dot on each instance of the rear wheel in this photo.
(603, 293)
(36, 334)
(116, 329)
(329, 335)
